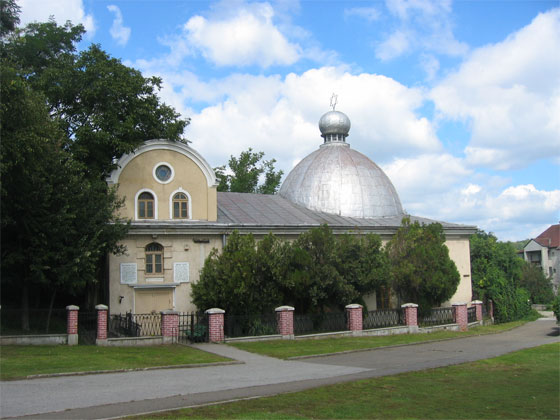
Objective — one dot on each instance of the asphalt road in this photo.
(119, 394)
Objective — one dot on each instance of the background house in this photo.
(544, 251)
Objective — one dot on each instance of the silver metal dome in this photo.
(336, 179)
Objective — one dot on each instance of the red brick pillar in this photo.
(215, 325)
(72, 324)
(101, 325)
(285, 321)
(411, 316)
(169, 326)
(460, 316)
(478, 305)
(354, 318)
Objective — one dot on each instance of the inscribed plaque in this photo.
(181, 272)
(128, 273)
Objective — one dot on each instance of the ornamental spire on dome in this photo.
(334, 125)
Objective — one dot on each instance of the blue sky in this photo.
(458, 101)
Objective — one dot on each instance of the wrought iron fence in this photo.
(383, 318)
(123, 326)
(193, 327)
(149, 324)
(87, 327)
(471, 314)
(249, 325)
(437, 316)
(319, 323)
(38, 320)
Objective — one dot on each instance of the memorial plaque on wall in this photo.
(181, 272)
(129, 273)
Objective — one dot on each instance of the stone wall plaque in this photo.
(181, 272)
(129, 273)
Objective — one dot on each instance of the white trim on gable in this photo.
(136, 203)
(181, 190)
(161, 144)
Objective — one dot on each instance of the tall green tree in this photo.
(422, 271)
(247, 172)
(496, 270)
(536, 283)
(65, 117)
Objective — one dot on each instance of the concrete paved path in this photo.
(119, 394)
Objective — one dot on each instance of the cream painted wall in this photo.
(138, 175)
(459, 251)
(180, 248)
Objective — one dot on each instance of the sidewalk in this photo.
(119, 394)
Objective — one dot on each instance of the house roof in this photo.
(260, 213)
(550, 238)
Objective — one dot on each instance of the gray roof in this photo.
(274, 210)
(259, 213)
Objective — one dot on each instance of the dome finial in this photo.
(334, 100)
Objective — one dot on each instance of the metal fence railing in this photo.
(320, 323)
(15, 321)
(383, 318)
(87, 327)
(471, 314)
(193, 327)
(437, 316)
(123, 326)
(249, 325)
(147, 324)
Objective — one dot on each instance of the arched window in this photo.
(154, 259)
(180, 206)
(145, 206)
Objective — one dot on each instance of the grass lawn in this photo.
(21, 361)
(284, 349)
(520, 385)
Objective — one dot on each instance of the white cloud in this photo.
(280, 115)
(510, 95)
(118, 31)
(442, 187)
(422, 25)
(249, 37)
(370, 14)
(62, 10)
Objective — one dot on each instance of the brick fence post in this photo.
(354, 318)
(491, 309)
(101, 339)
(460, 316)
(72, 324)
(169, 326)
(285, 321)
(411, 316)
(216, 325)
(478, 305)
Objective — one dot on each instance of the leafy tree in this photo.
(536, 283)
(65, 117)
(55, 226)
(315, 272)
(422, 271)
(247, 171)
(496, 270)
(243, 278)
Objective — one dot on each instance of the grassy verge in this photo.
(21, 361)
(519, 385)
(284, 349)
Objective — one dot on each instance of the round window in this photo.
(163, 173)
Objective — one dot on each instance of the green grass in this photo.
(21, 361)
(284, 349)
(520, 385)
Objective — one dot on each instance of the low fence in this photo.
(249, 325)
(39, 321)
(471, 314)
(320, 323)
(436, 316)
(383, 318)
(193, 327)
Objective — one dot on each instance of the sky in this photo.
(457, 101)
